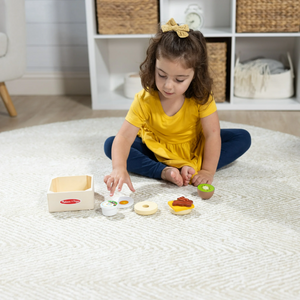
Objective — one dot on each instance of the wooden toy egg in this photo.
(205, 191)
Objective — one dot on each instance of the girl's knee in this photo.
(108, 145)
(245, 139)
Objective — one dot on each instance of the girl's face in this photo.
(172, 78)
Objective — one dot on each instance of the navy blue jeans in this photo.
(142, 161)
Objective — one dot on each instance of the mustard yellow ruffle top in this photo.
(176, 140)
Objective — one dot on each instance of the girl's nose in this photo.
(168, 84)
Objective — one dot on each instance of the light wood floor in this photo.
(37, 110)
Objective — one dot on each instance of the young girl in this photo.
(172, 130)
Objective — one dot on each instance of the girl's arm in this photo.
(212, 149)
(120, 151)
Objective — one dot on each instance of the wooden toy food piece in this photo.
(182, 201)
(109, 208)
(181, 206)
(125, 202)
(145, 208)
(205, 191)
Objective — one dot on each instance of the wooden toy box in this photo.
(71, 193)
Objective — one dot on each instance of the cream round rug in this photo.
(244, 243)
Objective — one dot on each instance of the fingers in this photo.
(202, 177)
(200, 180)
(115, 183)
(130, 186)
(106, 178)
(120, 185)
(111, 185)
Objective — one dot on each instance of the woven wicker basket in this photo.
(127, 16)
(268, 15)
(217, 67)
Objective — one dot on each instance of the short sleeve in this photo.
(136, 114)
(208, 108)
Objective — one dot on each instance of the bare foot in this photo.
(187, 172)
(173, 175)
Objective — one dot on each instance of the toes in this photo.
(173, 174)
(191, 171)
(184, 171)
(177, 177)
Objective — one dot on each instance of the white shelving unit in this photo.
(112, 56)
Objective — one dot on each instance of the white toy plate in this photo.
(125, 202)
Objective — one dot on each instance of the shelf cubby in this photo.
(112, 56)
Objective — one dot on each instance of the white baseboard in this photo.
(52, 83)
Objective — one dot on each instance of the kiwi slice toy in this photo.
(205, 191)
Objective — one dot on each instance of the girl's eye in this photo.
(162, 76)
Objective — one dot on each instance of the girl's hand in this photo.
(116, 179)
(202, 177)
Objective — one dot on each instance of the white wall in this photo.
(57, 51)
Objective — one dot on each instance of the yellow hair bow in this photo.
(171, 25)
